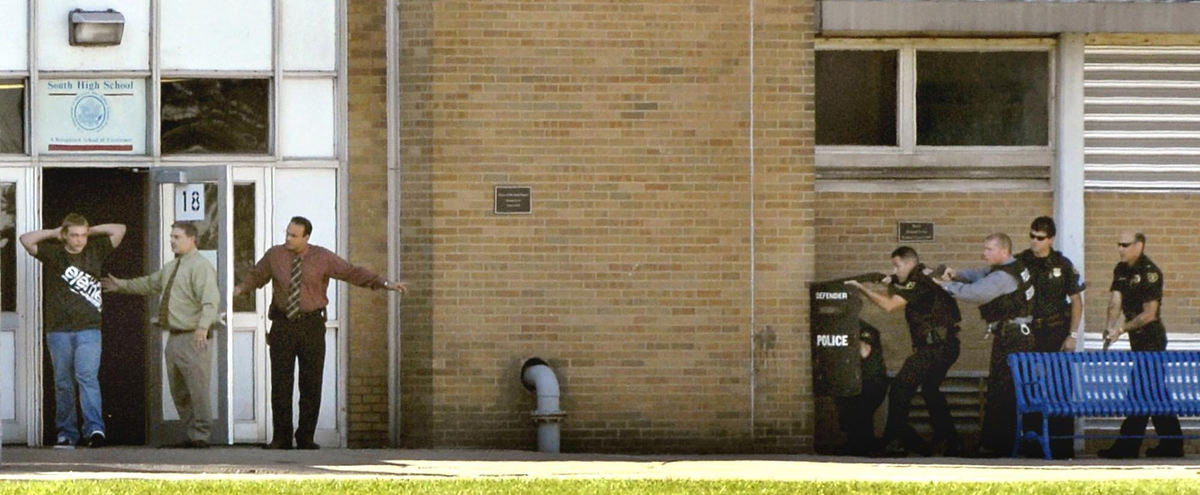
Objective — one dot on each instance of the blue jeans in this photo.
(76, 358)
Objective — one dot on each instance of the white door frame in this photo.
(24, 323)
(251, 327)
(162, 215)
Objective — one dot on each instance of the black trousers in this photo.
(856, 416)
(303, 340)
(1000, 412)
(1152, 337)
(925, 369)
(1049, 339)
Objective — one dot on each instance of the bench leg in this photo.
(1045, 438)
(1020, 434)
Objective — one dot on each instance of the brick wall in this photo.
(629, 120)
(784, 252)
(1168, 220)
(367, 407)
(857, 231)
(415, 231)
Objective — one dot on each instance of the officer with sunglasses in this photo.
(1137, 289)
(1057, 309)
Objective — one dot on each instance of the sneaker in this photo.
(96, 440)
(64, 443)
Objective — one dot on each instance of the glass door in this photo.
(19, 337)
(202, 194)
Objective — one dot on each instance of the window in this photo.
(856, 97)
(243, 240)
(982, 98)
(933, 103)
(12, 116)
(215, 116)
(8, 246)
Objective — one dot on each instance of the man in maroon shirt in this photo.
(300, 274)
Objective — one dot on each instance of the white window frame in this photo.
(907, 153)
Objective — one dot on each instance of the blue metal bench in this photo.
(1103, 384)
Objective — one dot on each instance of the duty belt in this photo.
(1049, 321)
(996, 327)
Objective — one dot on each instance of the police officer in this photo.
(856, 413)
(932, 318)
(1134, 309)
(1057, 309)
(1004, 292)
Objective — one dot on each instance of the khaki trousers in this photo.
(189, 371)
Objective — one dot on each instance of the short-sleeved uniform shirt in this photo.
(72, 284)
(1138, 285)
(927, 305)
(1055, 280)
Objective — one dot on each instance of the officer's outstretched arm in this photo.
(888, 304)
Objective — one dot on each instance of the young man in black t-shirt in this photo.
(71, 312)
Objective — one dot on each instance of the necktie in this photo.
(293, 304)
(163, 314)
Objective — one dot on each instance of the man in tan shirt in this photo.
(189, 297)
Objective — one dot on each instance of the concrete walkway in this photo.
(254, 463)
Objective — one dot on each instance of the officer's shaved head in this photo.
(1130, 246)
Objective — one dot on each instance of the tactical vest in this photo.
(936, 314)
(1015, 304)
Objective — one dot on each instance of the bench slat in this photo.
(1105, 384)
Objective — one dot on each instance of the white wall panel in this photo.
(14, 35)
(308, 36)
(310, 193)
(306, 118)
(329, 384)
(8, 375)
(216, 35)
(56, 53)
(243, 375)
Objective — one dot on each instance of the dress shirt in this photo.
(318, 265)
(194, 295)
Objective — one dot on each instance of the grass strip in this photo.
(589, 487)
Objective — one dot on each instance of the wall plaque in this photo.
(514, 200)
(914, 231)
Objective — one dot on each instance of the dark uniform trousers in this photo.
(1049, 338)
(926, 368)
(300, 339)
(1152, 337)
(1000, 412)
(856, 416)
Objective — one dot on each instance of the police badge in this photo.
(1057, 272)
(1152, 277)
(1135, 279)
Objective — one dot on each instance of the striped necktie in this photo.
(293, 304)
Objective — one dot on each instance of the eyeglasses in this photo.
(1038, 237)
(1124, 244)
